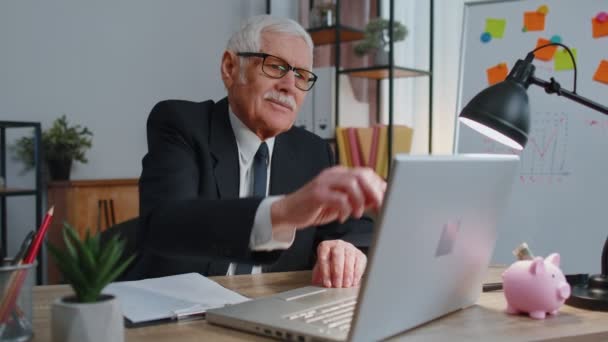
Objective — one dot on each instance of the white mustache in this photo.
(287, 100)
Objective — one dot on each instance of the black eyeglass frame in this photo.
(289, 67)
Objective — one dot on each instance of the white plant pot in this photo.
(87, 322)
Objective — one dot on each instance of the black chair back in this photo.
(128, 232)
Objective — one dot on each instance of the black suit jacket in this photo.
(191, 216)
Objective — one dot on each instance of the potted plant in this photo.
(88, 266)
(322, 15)
(376, 38)
(61, 144)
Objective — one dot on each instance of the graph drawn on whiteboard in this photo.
(544, 159)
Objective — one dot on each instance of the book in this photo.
(340, 141)
(355, 155)
(373, 154)
(382, 152)
(347, 153)
(173, 298)
(402, 139)
(402, 143)
(365, 136)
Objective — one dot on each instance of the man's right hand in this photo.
(335, 194)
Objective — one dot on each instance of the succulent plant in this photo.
(87, 265)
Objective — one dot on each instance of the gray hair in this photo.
(248, 37)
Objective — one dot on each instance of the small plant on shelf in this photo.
(61, 144)
(377, 36)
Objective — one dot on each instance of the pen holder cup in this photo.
(16, 284)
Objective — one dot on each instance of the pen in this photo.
(24, 247)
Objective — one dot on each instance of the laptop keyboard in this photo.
(335, 316)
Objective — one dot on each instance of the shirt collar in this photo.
(246, 141)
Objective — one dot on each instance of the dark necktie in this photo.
(260, 173)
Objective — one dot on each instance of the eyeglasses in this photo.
(276, 67)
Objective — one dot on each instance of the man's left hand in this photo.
(339, 264)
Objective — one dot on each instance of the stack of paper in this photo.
(170, 298)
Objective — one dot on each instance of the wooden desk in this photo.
(483, 322)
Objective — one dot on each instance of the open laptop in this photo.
(432, 246)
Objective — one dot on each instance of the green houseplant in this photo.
(62, 144)
(376, 38)
(88, 266)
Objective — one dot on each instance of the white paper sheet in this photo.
(170, 297)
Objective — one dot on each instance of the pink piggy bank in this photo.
(536, 287)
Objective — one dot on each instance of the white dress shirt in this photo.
(262, 237)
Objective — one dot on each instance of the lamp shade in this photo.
(501, 112)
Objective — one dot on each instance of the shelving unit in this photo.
(338, 34)
(6, 192)
(329, 34)
(381, 72)
(390, 72)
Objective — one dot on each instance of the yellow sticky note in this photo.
(544, 9)
(601, 74)
(563, 61)
(495, 27)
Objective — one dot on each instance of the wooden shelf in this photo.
(380, 72)
(327, 35)
(16, 192)
(95, 183)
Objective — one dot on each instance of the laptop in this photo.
(431, 249)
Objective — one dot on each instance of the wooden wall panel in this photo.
(78, 203)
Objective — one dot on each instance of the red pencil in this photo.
(35, 246)
(11, 293)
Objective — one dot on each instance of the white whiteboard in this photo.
(560, 199)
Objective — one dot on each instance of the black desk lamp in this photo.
(502, 113)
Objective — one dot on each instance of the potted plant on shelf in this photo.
(61, 145)
(322, 15)
(88, 266)
(376, 39)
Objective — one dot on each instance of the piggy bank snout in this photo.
(564, 291)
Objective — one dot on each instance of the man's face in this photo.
(252, 100)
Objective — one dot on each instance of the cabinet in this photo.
(7, 191)
(94, 204)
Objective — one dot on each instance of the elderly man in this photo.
(232, 187)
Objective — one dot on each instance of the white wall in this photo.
(410, 95)
(446, 57)
(105, 64)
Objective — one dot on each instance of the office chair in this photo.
(128, 232)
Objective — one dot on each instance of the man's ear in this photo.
(229, 68)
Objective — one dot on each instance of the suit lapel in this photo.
(283, 171)
(222, 145)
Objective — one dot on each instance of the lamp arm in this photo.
(553, 87)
